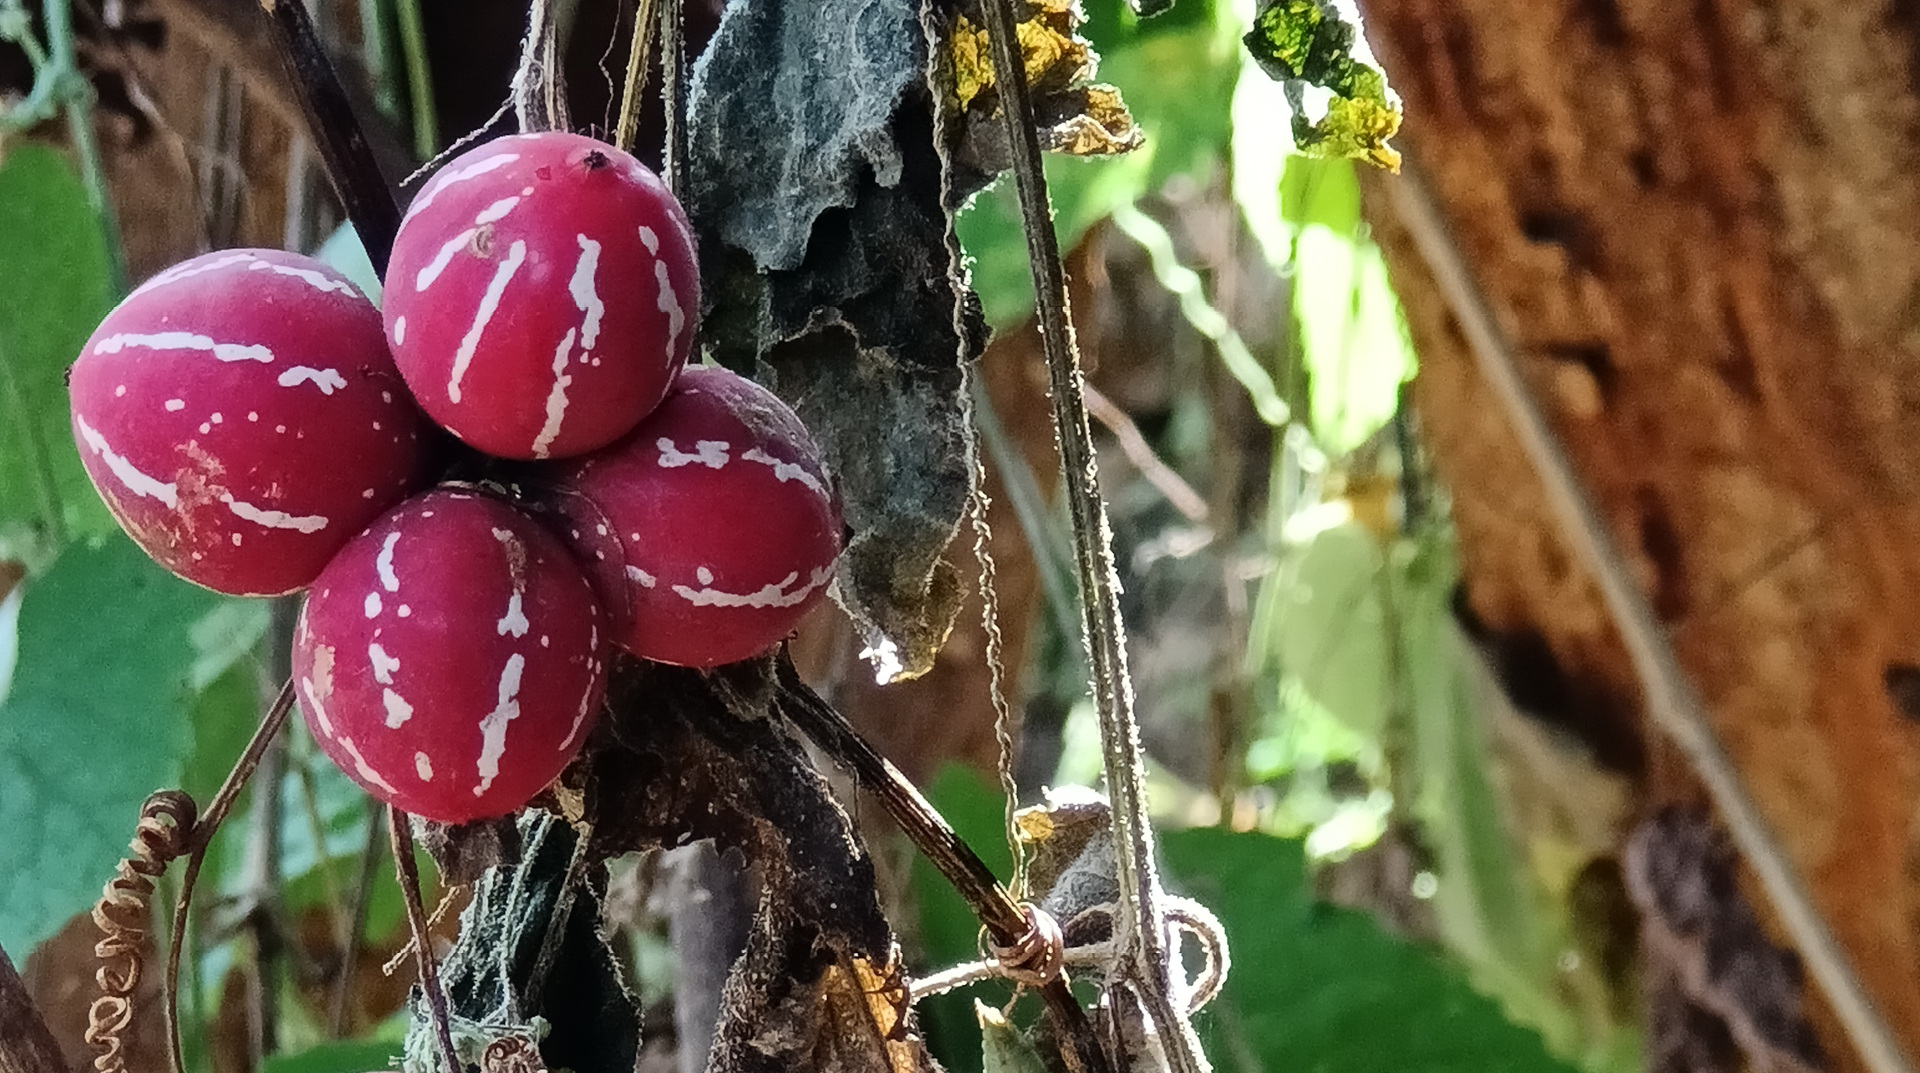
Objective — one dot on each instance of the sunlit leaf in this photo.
(96, 719)
(1353, 337)
(56, 282)
(1316, 44)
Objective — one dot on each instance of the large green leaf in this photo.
(56, 282)
(1330, 628)
(1325, 989)
(96, 719)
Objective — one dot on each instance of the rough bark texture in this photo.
(1701, 222)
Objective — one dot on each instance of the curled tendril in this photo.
(124, 914)
(1037, 957)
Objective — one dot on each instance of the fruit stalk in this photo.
(408, 870)
(351, 167)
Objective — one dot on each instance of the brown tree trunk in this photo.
(1701, 223)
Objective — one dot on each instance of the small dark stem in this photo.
(203, 832)
(27, 1045)
(356, 921)
(401, 836)
(945, 849)
(351, 167)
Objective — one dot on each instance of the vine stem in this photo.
(1143, 960)
(639, 60)
(408, 871)
(946, 850)
(1671, 699)
(350, 164)
(203, 831)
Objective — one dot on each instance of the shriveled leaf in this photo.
(817, 198)
(1317, 43)
(95, 720)
(56, 282)
(1317, 987)
(1075, 116)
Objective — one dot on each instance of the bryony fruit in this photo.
(712, 529)
(242, 418)
(541, 296)
(450, 659)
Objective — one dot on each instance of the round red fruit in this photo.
(242, 418)
(541, 297)
(712, 529)
(450, 659)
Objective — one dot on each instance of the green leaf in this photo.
(1353, 339)
(1004, 1048)
(345, 253)
(1320, 988)
(95, 720)
(1313, 44)
(1330, 628)
(336, 1058)
(56, 283)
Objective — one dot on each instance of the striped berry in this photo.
(712, 529)
(242, 418)
(541, 295)
(450, 659)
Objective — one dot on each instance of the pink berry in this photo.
(242, 418)
(450, 658)
(542, 295)
(712, 530)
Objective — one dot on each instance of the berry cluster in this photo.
(259, 428)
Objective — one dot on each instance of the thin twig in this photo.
(408, 869)
(955, 860)
(1143, 958)
(203, 831)
(1671, 699)
(639, 65)
(337, 1020)
(351, 167)
(27, 1045)
(1139, 452)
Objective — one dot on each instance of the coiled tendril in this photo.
(124, 914)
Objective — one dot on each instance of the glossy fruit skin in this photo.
(451, 659)
(712, 529)
(242, 418)
(542, 295)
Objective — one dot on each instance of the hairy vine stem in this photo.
(1004, 918)
(1143, 961)
(1672, 701)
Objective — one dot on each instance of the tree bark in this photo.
(1701, 223)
